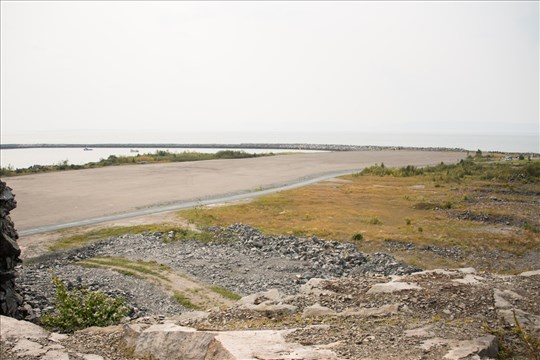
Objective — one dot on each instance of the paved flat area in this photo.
(71, 196)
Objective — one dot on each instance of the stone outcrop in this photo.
(10, 300)
(30, 341)
(171, 341)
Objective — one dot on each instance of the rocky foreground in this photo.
(303, 299)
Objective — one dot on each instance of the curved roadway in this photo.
(59, 200)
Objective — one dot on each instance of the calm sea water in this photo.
(23, 158)
(516, 142)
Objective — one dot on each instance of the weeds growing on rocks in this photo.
(79, 308)
(184, 301)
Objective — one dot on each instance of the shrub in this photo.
(80, 308)
(408, 221)
(358, 236)
(375, 221)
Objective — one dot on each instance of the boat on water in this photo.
(134, 150)
(87, 149)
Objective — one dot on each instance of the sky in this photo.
(269, 66)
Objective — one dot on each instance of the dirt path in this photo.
(188, 292)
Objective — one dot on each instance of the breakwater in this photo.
(289, 146)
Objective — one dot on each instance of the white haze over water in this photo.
(405, 73)
(509, 142)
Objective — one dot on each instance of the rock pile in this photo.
(326, 258)
(457, 314)
(240, 258)
(10, 300)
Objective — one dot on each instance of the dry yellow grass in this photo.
(408, 209)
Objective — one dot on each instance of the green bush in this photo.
(80, 308)
(358, 237)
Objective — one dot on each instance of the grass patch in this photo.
(184, 301)
(226, 293)
(96, 235)
(480, 167)
(187, 234)
(424, 205)
(357, 237)
(137, 268)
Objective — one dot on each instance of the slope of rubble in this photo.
(303, 298)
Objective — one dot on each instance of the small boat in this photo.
(134, 150)
(87, 149)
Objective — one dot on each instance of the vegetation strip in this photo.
(177, 233)
(159, 156)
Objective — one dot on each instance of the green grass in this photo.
(482, 168)
(186, 234)
(226, 293)
(127, 266)
(184, 301)
(96, 235)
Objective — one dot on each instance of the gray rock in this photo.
(20, 329)
(317, 310)
(169, 341)
(11, 300)
(530, 273)
(391, 287)
(55, 355)
(314, 287)
(485, 347)
(524, 318)
(422, 332)
(501, 296)
(385, 310)
(91, 357)
(25, 347)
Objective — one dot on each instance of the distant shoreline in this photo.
(290, 146)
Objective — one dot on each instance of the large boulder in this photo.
(171, 341)
(19, 329)
(10, 300)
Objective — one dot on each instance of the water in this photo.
(23, 158)
(511, 142)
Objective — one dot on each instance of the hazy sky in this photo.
(464, 67)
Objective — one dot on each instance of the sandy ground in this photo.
(63, 197)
